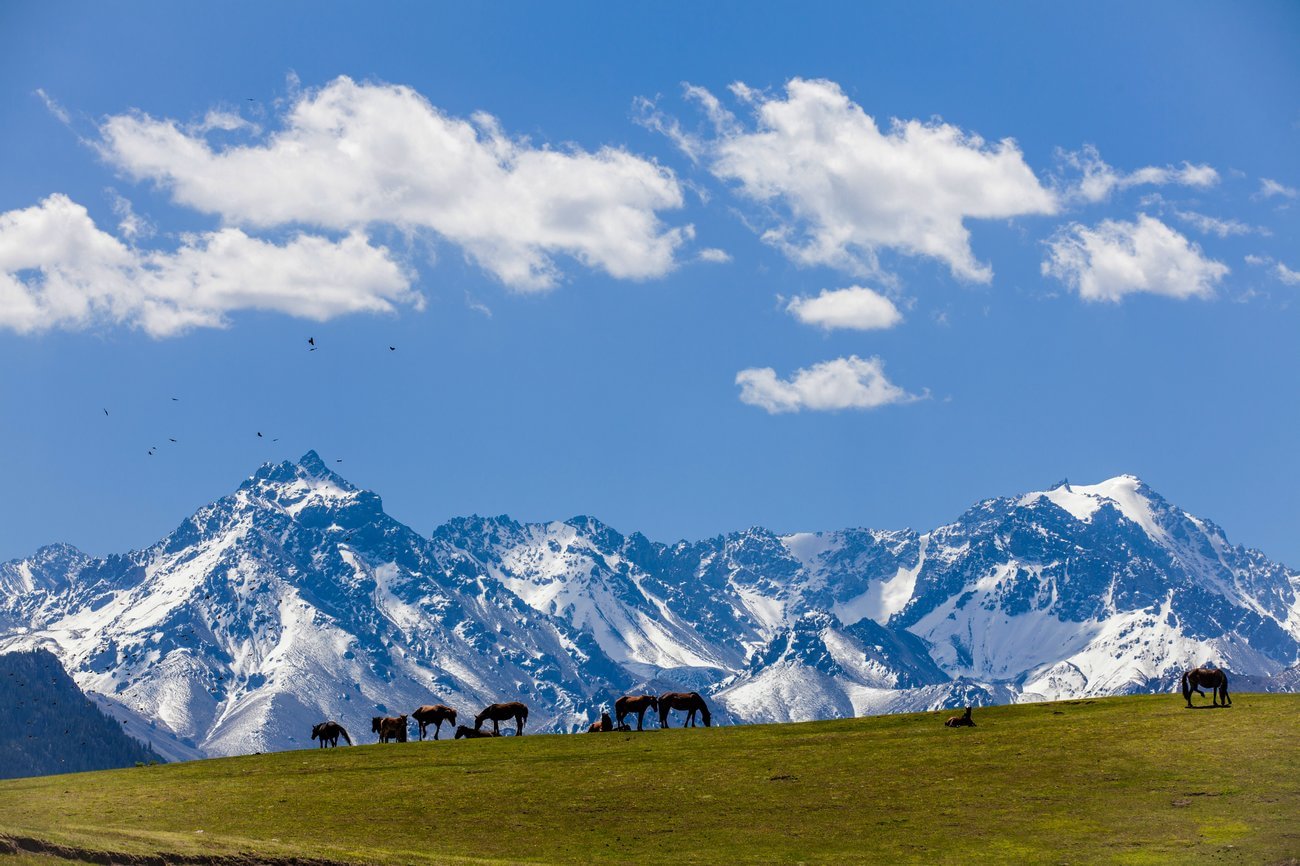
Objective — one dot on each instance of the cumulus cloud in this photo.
(713, 255)
(1268, 188)
(841, 189)
(857, 308)
(843, 383)
(349, 155)
(1100, 180)
(58, 270)
(1117, 258)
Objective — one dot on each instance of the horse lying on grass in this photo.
(962, 721)
(472, 733)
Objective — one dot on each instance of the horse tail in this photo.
(343, 732)
(1187, 688)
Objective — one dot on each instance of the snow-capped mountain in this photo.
(297, 598)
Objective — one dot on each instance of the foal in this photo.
(962, 721)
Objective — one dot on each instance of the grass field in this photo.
(1117, 780)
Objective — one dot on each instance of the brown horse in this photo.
(434, 715)
(472, 733)
(1211, 678)
(605, 724)
(638, 704)
(690, 702)
(389, 728)
(962, 721)
(329, 731)
(503, 713)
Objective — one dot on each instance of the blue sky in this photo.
(606, 242)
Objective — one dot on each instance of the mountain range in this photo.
(297, 598)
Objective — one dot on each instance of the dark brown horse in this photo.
(605, 724)
(434, 715)
(329, 732)
(1210, 678)
(962, 721)
(472, 733)
(638, 704)
(503, 713)
(690, 702)
(389, 728)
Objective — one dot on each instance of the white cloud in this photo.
(841, 190)
(1286, 275)
(350, 155)
(857, 308)
(1117, 258)
(57, 270)
(1269, 188)
(1215, 226)
(1100, 179)
(715, 256)
(53, 107)
(130, 225)
(844, 383)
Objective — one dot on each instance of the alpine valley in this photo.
(296, 599)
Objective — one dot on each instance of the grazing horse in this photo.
(434, 715)
(638, 704)
(472, 733)
(962, 721)
(691, 702)
(1210, 678)
(389, 728)
(502, 713)
(329, 731)
(605, 724)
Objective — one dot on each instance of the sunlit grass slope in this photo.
(1129, 780)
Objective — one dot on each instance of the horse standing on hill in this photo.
(962, 721)
(503, 713)
(389, 728)
(434, 715)
(1211, 678)
(638, 704)
(472, 733)
(329, 732)
(690, 702)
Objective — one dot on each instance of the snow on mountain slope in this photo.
(296, 598)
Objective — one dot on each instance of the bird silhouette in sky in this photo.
(105, 411)
(259, 434)
(392, 348)
(170, 439)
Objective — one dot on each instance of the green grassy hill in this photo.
(1125, 780)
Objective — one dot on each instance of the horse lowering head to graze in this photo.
(690, 702)
(433, 715)
(502, 713)
(389, 728)
(1210, 678)
(329, 731)
(472, 733)
(638, 704)
(605, 724)
(962, 721)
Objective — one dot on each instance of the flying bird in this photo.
(105, 411)
(259, 434)
(176, 399)
(340, 460)
(392, 348)
(311, 341)
(170, 439)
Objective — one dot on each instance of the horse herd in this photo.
(394, 728)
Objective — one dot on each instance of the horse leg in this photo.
(663, 718)
(496, 730)
(519, 726)
(640, 719)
